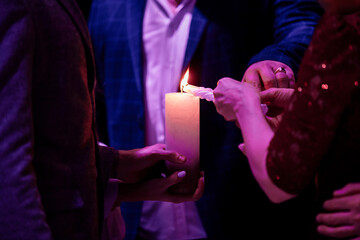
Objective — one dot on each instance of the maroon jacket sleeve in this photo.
(108, 156)
(328, 78)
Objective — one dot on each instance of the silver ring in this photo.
(280, 69)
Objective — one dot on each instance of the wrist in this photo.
(119, 156)
(248, 114)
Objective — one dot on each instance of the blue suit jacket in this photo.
(225, 37)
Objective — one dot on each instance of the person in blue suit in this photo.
(258, 41)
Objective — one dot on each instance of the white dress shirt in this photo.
(165, 34)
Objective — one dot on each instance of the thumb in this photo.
(268, 95)
(276, 97)
(242, 148)
(158, 152)
(200, 188)
(174, 178)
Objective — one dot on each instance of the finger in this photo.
(224, 110)
(168, 155)
(282, 79)
(273, 122)
(349, 189)
(173, 179)
(285, 77)
(200, 188)
(178, 198)
(253, 78)
(242, 148)
(336, 232)
(223, 84)
(334, 219)
(159, 146)
(268, 78)
(222, 87)
(228, 115)
(276, 97)
(286, 73)
(267, 96)
(274, 111)
(217, 95)
(341, 203)
(157, 152)
(291, 76)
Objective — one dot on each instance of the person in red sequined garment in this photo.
(317, 135)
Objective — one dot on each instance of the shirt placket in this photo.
(180, 221)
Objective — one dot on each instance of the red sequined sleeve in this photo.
(328, 78)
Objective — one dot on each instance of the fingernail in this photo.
(182, 158)
(181, 174)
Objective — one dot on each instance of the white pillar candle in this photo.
(182, 130)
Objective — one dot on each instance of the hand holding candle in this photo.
(182, 130)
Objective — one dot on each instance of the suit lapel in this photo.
(198, 24)
(134, 14)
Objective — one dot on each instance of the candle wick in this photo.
(183, 86)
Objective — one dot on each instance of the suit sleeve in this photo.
(22, 214)
(294, 24)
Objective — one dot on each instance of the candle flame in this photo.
(185, 79)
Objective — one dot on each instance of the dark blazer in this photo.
(225, 38)
(51, 179)
(85, 7)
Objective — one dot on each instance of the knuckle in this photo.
(356, 218)
(356, 204)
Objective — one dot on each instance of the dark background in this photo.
(85, 7)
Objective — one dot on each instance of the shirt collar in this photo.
(170, 6)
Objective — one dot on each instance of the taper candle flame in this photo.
(201, 92)
(185, 80)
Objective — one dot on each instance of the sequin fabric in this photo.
(320, 130)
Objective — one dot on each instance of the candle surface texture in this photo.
(182, 134)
